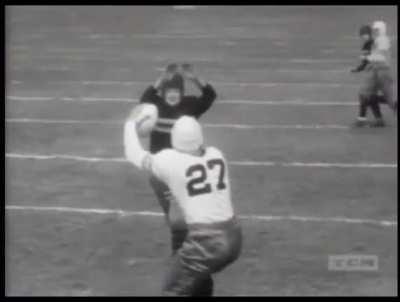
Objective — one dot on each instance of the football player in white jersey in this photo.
(199, 182)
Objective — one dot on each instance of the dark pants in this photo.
(206, 250)
(373, 102)
(377, 87)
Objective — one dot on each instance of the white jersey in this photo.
(199, 184)
(380, 52)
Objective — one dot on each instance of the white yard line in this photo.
(363, 165)
(278, 126)
(296, 102)
(236, 84)
(212, 70)
(69, 99)
(249, 163)
(102, 35)
(123, 213)
(65, 157)
(185, 7)
(98, 54)
(205, 70)
(207, 125)
(53, 121)
(216, 83)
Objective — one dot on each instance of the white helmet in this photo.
(380, 26)
(186, 134)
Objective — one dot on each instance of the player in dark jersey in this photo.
(167, 94)
(368, 41)
(374, 100)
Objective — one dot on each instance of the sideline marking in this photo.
(122, 213)
(233, 163)
(216, 83)
(207, 125)
(297, 102)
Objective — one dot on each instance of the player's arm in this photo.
(208, 95)
(134, 151)
(150, 94)
(363, 64)
(366, 51)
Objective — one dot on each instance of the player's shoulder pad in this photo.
(162, 162)
(164, 155)
(214, 151)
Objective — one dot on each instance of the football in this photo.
(145, 116)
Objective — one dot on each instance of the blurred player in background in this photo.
(367, 43)
(377, 86)
(199, 182)
(168, 95)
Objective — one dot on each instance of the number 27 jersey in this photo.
(199, 184)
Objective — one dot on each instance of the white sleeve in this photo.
(134, 151)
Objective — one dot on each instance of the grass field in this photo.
(81, 221)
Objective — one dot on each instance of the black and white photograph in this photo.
(201, 150)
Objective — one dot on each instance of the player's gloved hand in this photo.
(187, 71)
(171, 70)
(354, 70)
(167, 75)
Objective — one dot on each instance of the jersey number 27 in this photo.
(198, 184)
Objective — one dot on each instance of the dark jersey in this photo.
(160, 137)
(366, 50)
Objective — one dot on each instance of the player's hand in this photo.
(187, 71)
(170, 71)
(354, 70)
(166, 75)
